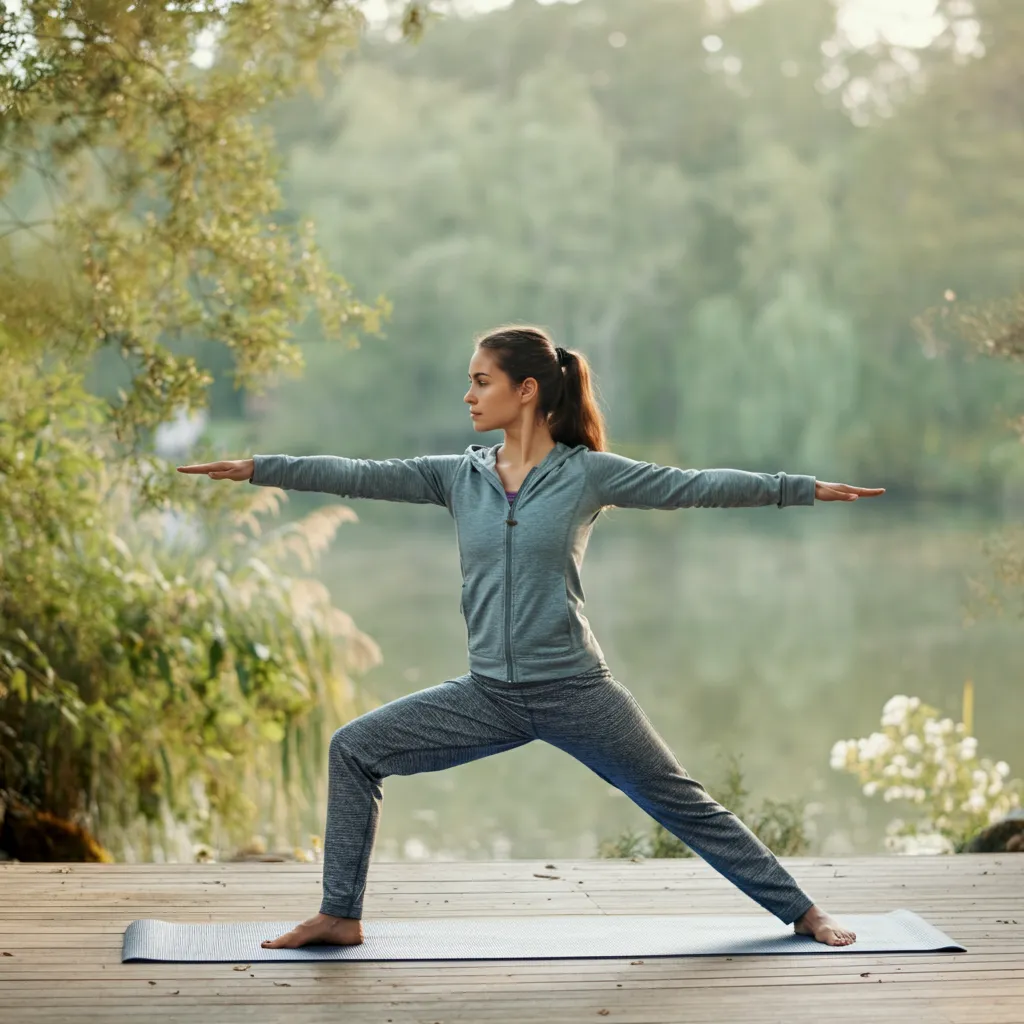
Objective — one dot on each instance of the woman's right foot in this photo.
(322, 930)
(824, 928)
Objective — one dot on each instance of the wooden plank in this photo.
(66, 922)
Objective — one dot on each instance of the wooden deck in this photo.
(63, 925)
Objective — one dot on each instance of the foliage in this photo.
(141, 652)
(934, 765)
(142, 196)
(151, 637)
(781, 825)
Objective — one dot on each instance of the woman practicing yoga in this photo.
(523, 513)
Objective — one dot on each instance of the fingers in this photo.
(845, 492)
(219, 470)
(857, 490)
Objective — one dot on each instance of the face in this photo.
(493, 401)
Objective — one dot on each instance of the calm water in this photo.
(770, 633)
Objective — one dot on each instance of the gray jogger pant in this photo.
(592, 717)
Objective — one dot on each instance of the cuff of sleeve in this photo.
(797, 489)
(255, 478)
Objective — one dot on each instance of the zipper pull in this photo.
(511, 522)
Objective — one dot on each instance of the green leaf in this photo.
(286, 759)
(19, 684)
(272, 730)
(164, 665)
(216, 656)
(168, 775)
(242, 671)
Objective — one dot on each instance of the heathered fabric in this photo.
(536, 670)
(522, 598)
(593, 717)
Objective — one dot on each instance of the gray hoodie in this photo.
(521, 593)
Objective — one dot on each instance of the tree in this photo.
(468, 209)
(142, 212)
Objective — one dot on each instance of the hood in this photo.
(483, 458)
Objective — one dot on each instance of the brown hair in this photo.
(565, 391)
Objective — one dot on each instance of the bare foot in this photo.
(322, 930)
(823, 928)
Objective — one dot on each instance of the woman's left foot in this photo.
(823, 928)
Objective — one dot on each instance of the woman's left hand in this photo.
(844, 492)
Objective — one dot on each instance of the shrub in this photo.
(934, 765)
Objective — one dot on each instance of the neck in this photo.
(525, 447)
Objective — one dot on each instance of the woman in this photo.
(523, 513)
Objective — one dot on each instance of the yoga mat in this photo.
(533, 938)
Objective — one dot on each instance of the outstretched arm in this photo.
(425, 479)
(627, 483)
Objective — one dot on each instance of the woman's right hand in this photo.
(240, 469)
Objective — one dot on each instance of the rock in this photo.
(1006, 836)
(28, 834)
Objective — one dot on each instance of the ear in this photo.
(529, 388)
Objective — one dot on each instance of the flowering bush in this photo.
(933, 764)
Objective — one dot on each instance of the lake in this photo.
(769, 633)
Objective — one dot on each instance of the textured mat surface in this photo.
(530, 938)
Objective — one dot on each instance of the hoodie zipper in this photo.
(511, 521)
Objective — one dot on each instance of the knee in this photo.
(344, 742)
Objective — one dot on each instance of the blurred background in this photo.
(787, 236)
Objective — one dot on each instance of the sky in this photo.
(909, 23)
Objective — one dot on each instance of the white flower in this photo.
(838, 757)
(870, 788)
(979, 777)
(946, 725)
(968, 748)
(893, 793)
(913, 743)
(995, 786)
(914, 703)
(895, 710)
(874, 746)
(930, 844)
(975, 802)
(1003, 768)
